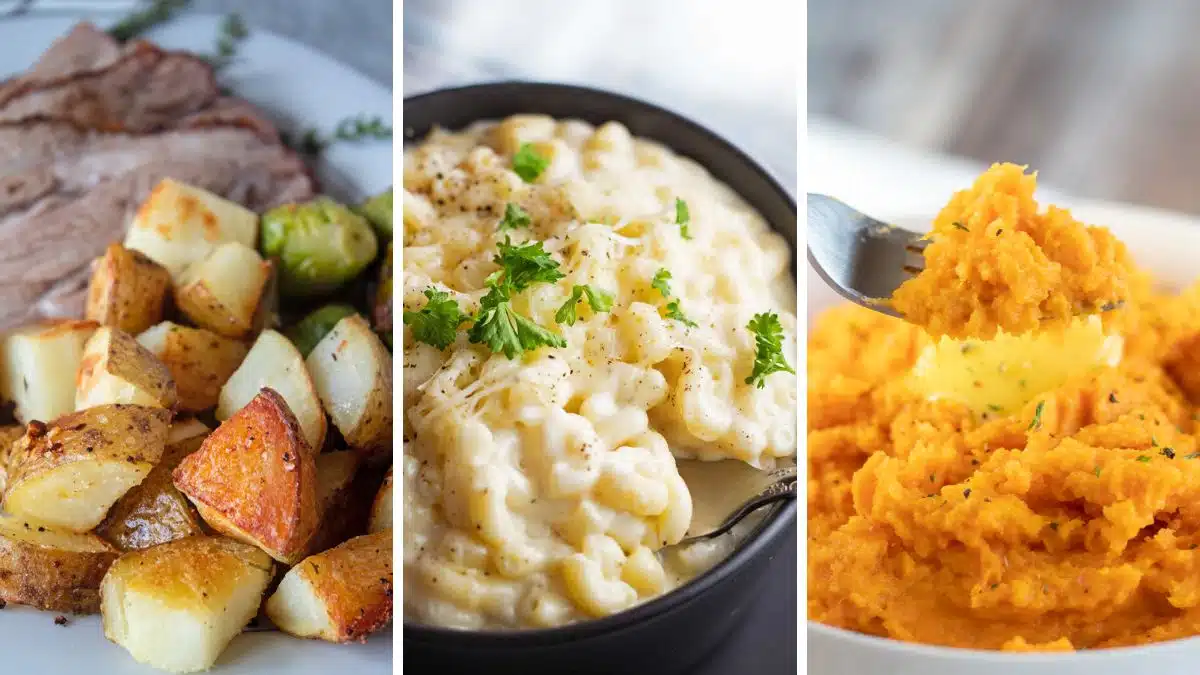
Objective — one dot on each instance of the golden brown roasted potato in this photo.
(352, 371)
(9, 435)
(255, 479)
(335, 485)
(69, 473)
(200, 361)
(41, 363)
(179, 225)
(275, 362)
(127, 290)
(381, 510)
(116, 369)
(154, 511)
(51, 569)
(176, 606)
(222, 292)
(341, 595)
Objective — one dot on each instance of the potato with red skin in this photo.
(255, 479)
(341, 595)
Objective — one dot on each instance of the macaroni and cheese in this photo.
(579, 303)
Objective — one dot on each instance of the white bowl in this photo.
(1168, 244)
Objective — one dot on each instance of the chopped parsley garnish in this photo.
(962, 227)
(768, 355)
(437, 322)
(1096, 471)
(514, 217)
(497, 324)
(994, 408)
(674, 312)
(1143, 459)
(682, 218)
(528, 164)
(598, 300)
(1192, 455)
(1036, 423)
(660, 282)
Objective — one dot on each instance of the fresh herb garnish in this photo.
(1143, 459)
(598, 300)
(1096, 471)
(1037, 416)
(674, 312)
(1192, 455)
(660, 282)
(437, 322)
(962, 227)
(683, 218)
(768, 355)
(233, 32)
(497, 324)
(994, 408)
(528, 164)
(159, 11)
(350, 129)
(514, 217)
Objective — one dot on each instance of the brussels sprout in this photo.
(378, 210)
(320, 245)
(307, 332)
(383, 299)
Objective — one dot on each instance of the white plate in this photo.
(297, 86)
(1166, 243)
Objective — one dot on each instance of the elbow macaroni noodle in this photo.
(539, 490)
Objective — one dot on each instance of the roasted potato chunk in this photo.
(335, 485)
(127, 290)
(177, 606)
(41, 363)
(69, 473)
(199, 361)
(255, 479)
(381, 510)
(154, 511)
(51, 569)
(352, 371)
(274, 362)
(116, 369)
(9, 435)
(179, 225)
(341, 595)
(222, 292)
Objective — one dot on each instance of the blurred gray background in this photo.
(1100, 96)
(731, 66)
(356, 32)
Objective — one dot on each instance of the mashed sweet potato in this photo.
(1071, 522)
(995, 261)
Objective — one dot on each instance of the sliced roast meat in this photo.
(73, 160)
(49, 246)
(228, 111)
(144, 90)
(84, 48)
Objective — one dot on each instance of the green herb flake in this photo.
(682, 218)
(674, 312)
(962, 227)
(514, 217)
(661, 282)
(233, 32)
(1096, 471)
(437, 322)
(1036, 423)
(1143, 458)
(159, 11)
(497, 324)
(598, 300)
(994, 408)
(528, 164)
(768, 353)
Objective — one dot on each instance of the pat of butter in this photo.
(998, 376)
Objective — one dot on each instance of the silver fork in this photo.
(863, 259)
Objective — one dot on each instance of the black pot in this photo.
(674, 632)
